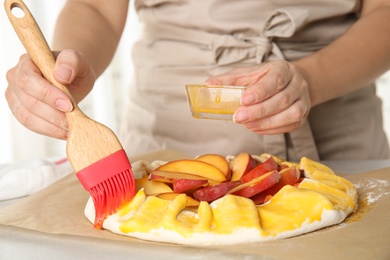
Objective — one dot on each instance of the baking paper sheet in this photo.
(365, 235)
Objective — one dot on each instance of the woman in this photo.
(317, 97)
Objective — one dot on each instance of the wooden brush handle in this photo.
(35, 43)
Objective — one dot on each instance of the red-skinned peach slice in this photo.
(212, 193)
(241, 165)
(187, 186)
(172, 195)
(194, 167)
(288, 176)
(256, 185)
(218, 161)
(262, 168)
(281, 167)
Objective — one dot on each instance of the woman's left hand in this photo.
(277, 99)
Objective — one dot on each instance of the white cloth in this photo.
(29, 176)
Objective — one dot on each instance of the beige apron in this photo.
(187, 41)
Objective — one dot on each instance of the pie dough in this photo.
(322, 199)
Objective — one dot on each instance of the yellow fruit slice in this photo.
(194, 167)
(216, 160)
(152, 187)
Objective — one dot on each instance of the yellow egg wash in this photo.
(310, 166)
(170, 220)
(147, 217)
(215, 102)
(218, 96)
(229, 110)
(205, 218)
(340, 199)
(332, 180)
(234, 212)
(134, 204)
(290, 208)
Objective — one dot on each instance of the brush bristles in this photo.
(110, 182)
(110, 195)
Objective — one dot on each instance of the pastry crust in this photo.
(320, 200)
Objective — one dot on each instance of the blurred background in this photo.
(105, 102)
(103, 105)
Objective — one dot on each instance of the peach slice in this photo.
(193, 167)
(218, 161)
(241, 165)
(187, 186)
(212, 193)
(288, 176)
(152, 187)
(168, 176)
(262, 168)
(256, 185)
(172, 195)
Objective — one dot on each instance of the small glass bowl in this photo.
(213, 101)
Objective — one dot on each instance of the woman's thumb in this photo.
(64, 69)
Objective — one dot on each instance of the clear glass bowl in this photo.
(214, 102)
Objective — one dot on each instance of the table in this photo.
(21, 243)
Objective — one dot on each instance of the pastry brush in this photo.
(95, 153)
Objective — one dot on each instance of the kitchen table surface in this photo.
(22, 243)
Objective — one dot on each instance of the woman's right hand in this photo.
(39, 105)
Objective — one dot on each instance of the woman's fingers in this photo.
(41, 106)
(276, 101)
(283, 99)
(37, 121)
(285, 121)
(30, 87)
(73, 70)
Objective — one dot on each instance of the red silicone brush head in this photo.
(110, 181)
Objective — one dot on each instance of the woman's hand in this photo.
(276, 101)
(39, 105)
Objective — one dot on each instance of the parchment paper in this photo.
(365, 235)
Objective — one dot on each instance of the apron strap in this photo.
(303, 143)
(226, 49)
